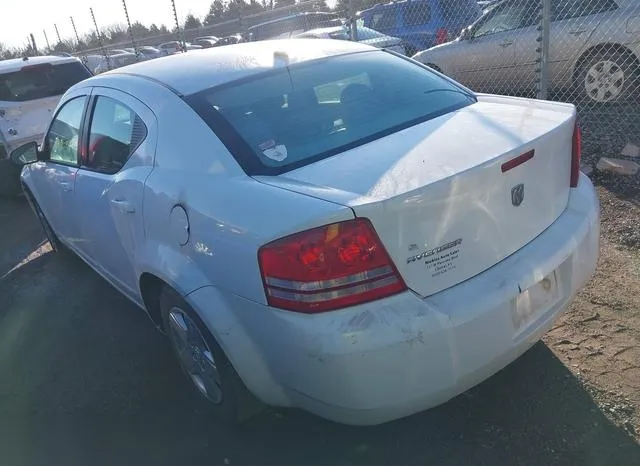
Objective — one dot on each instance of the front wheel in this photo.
(607, 77)
(204, 363)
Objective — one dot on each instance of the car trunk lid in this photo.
(453, 196)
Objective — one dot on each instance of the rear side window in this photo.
(291, 117)
(460, 12)
(417, 14)
(40, 81)
(115, 133)
(385, 19)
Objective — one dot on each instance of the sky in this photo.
(18, 18)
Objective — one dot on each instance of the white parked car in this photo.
(30, 89)
(321, 224)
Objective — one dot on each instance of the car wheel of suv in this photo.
(607, 77)
(54, 241)
(204, 362)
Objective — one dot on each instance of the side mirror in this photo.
(25, 154)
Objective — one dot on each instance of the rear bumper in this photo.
(394, 357)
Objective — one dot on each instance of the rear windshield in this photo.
(296, 115)
(40, 81)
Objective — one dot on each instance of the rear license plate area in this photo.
(535, 301)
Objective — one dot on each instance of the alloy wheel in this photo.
(196, 358)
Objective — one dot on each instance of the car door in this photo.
(52, 179)
(486, 61)
(110, 183)
(574, 22)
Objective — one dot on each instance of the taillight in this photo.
(327, 268)
(576, 150)
(442, 36)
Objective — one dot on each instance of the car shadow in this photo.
(86, 379)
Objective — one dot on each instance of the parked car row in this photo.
(117, 58)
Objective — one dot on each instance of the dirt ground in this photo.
(599, 338)
(86, 380)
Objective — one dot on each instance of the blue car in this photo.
(421, 24)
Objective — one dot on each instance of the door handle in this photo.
(577, 32)
(506, 43)
(123, 206)
(66, 186)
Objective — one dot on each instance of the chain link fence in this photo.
(581, 51)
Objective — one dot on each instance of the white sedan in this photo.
(321, 224)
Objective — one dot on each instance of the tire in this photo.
(197, 352)
(607, 77)
(54, 241)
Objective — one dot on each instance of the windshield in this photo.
(294, 116)
(40, 81)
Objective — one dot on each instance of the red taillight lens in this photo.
(575, 156)
(327, 268)
(442, 36)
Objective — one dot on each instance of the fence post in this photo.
(543, 50)
(99, 36)
(353, 22)
(178, 30)
(55, 26)
(75, 31)
(133, 42)
(46, 39)
(33, 42)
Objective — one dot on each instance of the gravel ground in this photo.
(85, 379)
(606, 130)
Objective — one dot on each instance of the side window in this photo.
(63, 139)
(417, 14)
(385, 19)
(507, 17)
(114, 135)
(568, 9)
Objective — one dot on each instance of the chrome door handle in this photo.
(123, 206)
(577, 32)
(66, 186)
(505, 44)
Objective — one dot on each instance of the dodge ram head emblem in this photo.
(517, 194)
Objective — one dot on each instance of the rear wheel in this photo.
(204, 362)
(607, 77)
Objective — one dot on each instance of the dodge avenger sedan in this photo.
(320, 224)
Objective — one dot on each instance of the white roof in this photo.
(15, 64)
(200, 69)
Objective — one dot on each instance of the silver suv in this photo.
(30, 89)
(594, 49)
